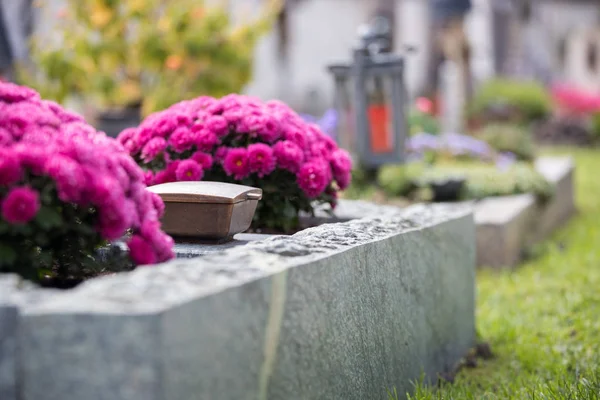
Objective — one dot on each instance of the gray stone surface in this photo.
(191, 250)
(503, 226)
(559, 171)
(14, 294)
(8, 338)
(341, 311)
(507, 225)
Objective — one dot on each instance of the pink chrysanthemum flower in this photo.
(141, 251)
(218, 125)
(289, 155)
(236, 163)
(153, 148)
(20, 206)
(10, 168)
(181, 139)
(261, 159)
(189, 170)
(313, 178)
(204, 159)
(205, 140)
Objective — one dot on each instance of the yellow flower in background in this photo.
(100, 16)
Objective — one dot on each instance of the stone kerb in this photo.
(507, 225)
(344, 310)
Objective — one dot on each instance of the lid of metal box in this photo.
(205, 192)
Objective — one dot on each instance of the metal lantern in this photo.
(371, 99)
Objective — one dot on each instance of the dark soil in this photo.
(60, 283)
(482, 351)
(271, 231)
(563, 131)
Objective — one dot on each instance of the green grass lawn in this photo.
(543, 319)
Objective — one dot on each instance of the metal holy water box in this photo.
(207, 210)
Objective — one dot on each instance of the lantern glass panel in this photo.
(380, 113)
(346, 131)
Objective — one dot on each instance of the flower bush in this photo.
(239, 139)
(509, 138)
(454, 146)
(65, 190)
(506, 100)
(415, 180)
(575, 102)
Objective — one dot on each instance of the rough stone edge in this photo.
(147, 290)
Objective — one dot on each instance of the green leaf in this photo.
(7, 255)
(49, 218)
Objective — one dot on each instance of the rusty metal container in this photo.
(207, 210)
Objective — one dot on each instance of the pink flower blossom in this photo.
(218, 125)
(87, 168)
(234, 116)
(21, 205)
(11, 93)
(153, 148)
(294, 134)
(5, 137)
(126, 135)
(341, 165)
(289, 155)
(206, 140)
(10, 168)
(181, 139)
(159, 204)
(269, 131)
(313, 178)
(149, 178)
(204, 159)
(236, 163)
(140, 251)
(189, 170)
(424, 105)
(162, 243)
(113, 221)
(260, 159)
(33, 157)
(220, 154)
(68, 176)
(340, 162)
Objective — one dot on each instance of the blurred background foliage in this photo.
(146, 53)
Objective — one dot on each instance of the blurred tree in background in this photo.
(146, 53)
